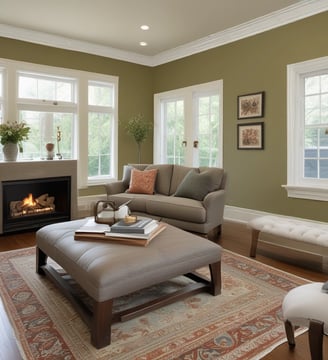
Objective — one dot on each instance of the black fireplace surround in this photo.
(17, 190)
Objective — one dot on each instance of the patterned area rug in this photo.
(244, 322)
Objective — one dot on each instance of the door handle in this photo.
(184, 143)
(196, 144)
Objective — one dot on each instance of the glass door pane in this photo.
(206, 130)
(174, 146)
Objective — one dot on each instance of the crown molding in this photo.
(299, 11)
(62, 42)
(290, 14)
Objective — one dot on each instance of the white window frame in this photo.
(2, 95)
(186, 94)
(298, 186)
(11, 68)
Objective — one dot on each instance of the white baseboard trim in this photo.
(242, 215)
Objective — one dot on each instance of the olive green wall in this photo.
(135, 88)
(256, 64)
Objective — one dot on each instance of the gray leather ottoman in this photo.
(107, 270)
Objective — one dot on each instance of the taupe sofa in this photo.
(189, 198)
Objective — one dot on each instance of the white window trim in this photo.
(185, 93)
(10, 96)
(297, 186)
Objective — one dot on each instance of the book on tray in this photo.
(141, 226)
(93, 231)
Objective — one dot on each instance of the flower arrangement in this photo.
(15, 133)
(138, 128)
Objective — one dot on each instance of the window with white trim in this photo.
(307, 130)
(1, 94)
(75, 110)
(48, 105)
(101, 121)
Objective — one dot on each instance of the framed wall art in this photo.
(250, 136)
(250, 105)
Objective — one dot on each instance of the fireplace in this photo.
(48, 186)
(30, 204)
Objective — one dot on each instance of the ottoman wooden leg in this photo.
(101, 323)
(290, 333)
(255, 238)
(41, 260)
(215, 270)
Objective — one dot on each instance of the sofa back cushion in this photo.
(217, 176)
(179, 172)
(163, 178)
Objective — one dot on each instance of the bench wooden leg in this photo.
(255, 238)
(101, 323)
(41, 260)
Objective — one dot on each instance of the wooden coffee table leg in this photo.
(41, 260)
(215, 270)
(101, 323)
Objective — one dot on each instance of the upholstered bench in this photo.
(299, 234)
(107, 270)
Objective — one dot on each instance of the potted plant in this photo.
(12, 135)
(138, 128)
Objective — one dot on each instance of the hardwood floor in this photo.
(235, 237)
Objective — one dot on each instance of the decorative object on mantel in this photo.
(59, 155)
(138, 128)
(12, 135)
(50, 149)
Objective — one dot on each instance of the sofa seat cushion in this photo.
(176, 208)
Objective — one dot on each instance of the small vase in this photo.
(50, 150)
(10, 151)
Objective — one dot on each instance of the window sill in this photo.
(306, 192)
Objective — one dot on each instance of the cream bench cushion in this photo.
(304, 235)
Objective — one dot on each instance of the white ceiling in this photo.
(115, 24)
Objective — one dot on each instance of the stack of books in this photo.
(139, 233)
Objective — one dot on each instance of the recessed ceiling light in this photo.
(144, 27)
(143, 43)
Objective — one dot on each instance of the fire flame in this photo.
(29, 201)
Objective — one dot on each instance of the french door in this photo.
(188, 126)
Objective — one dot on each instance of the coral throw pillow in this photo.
(142, 182)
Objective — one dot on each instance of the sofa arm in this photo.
(115, 187)
(214, 204)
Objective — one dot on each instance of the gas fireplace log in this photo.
(45, 200)
(28, 206)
